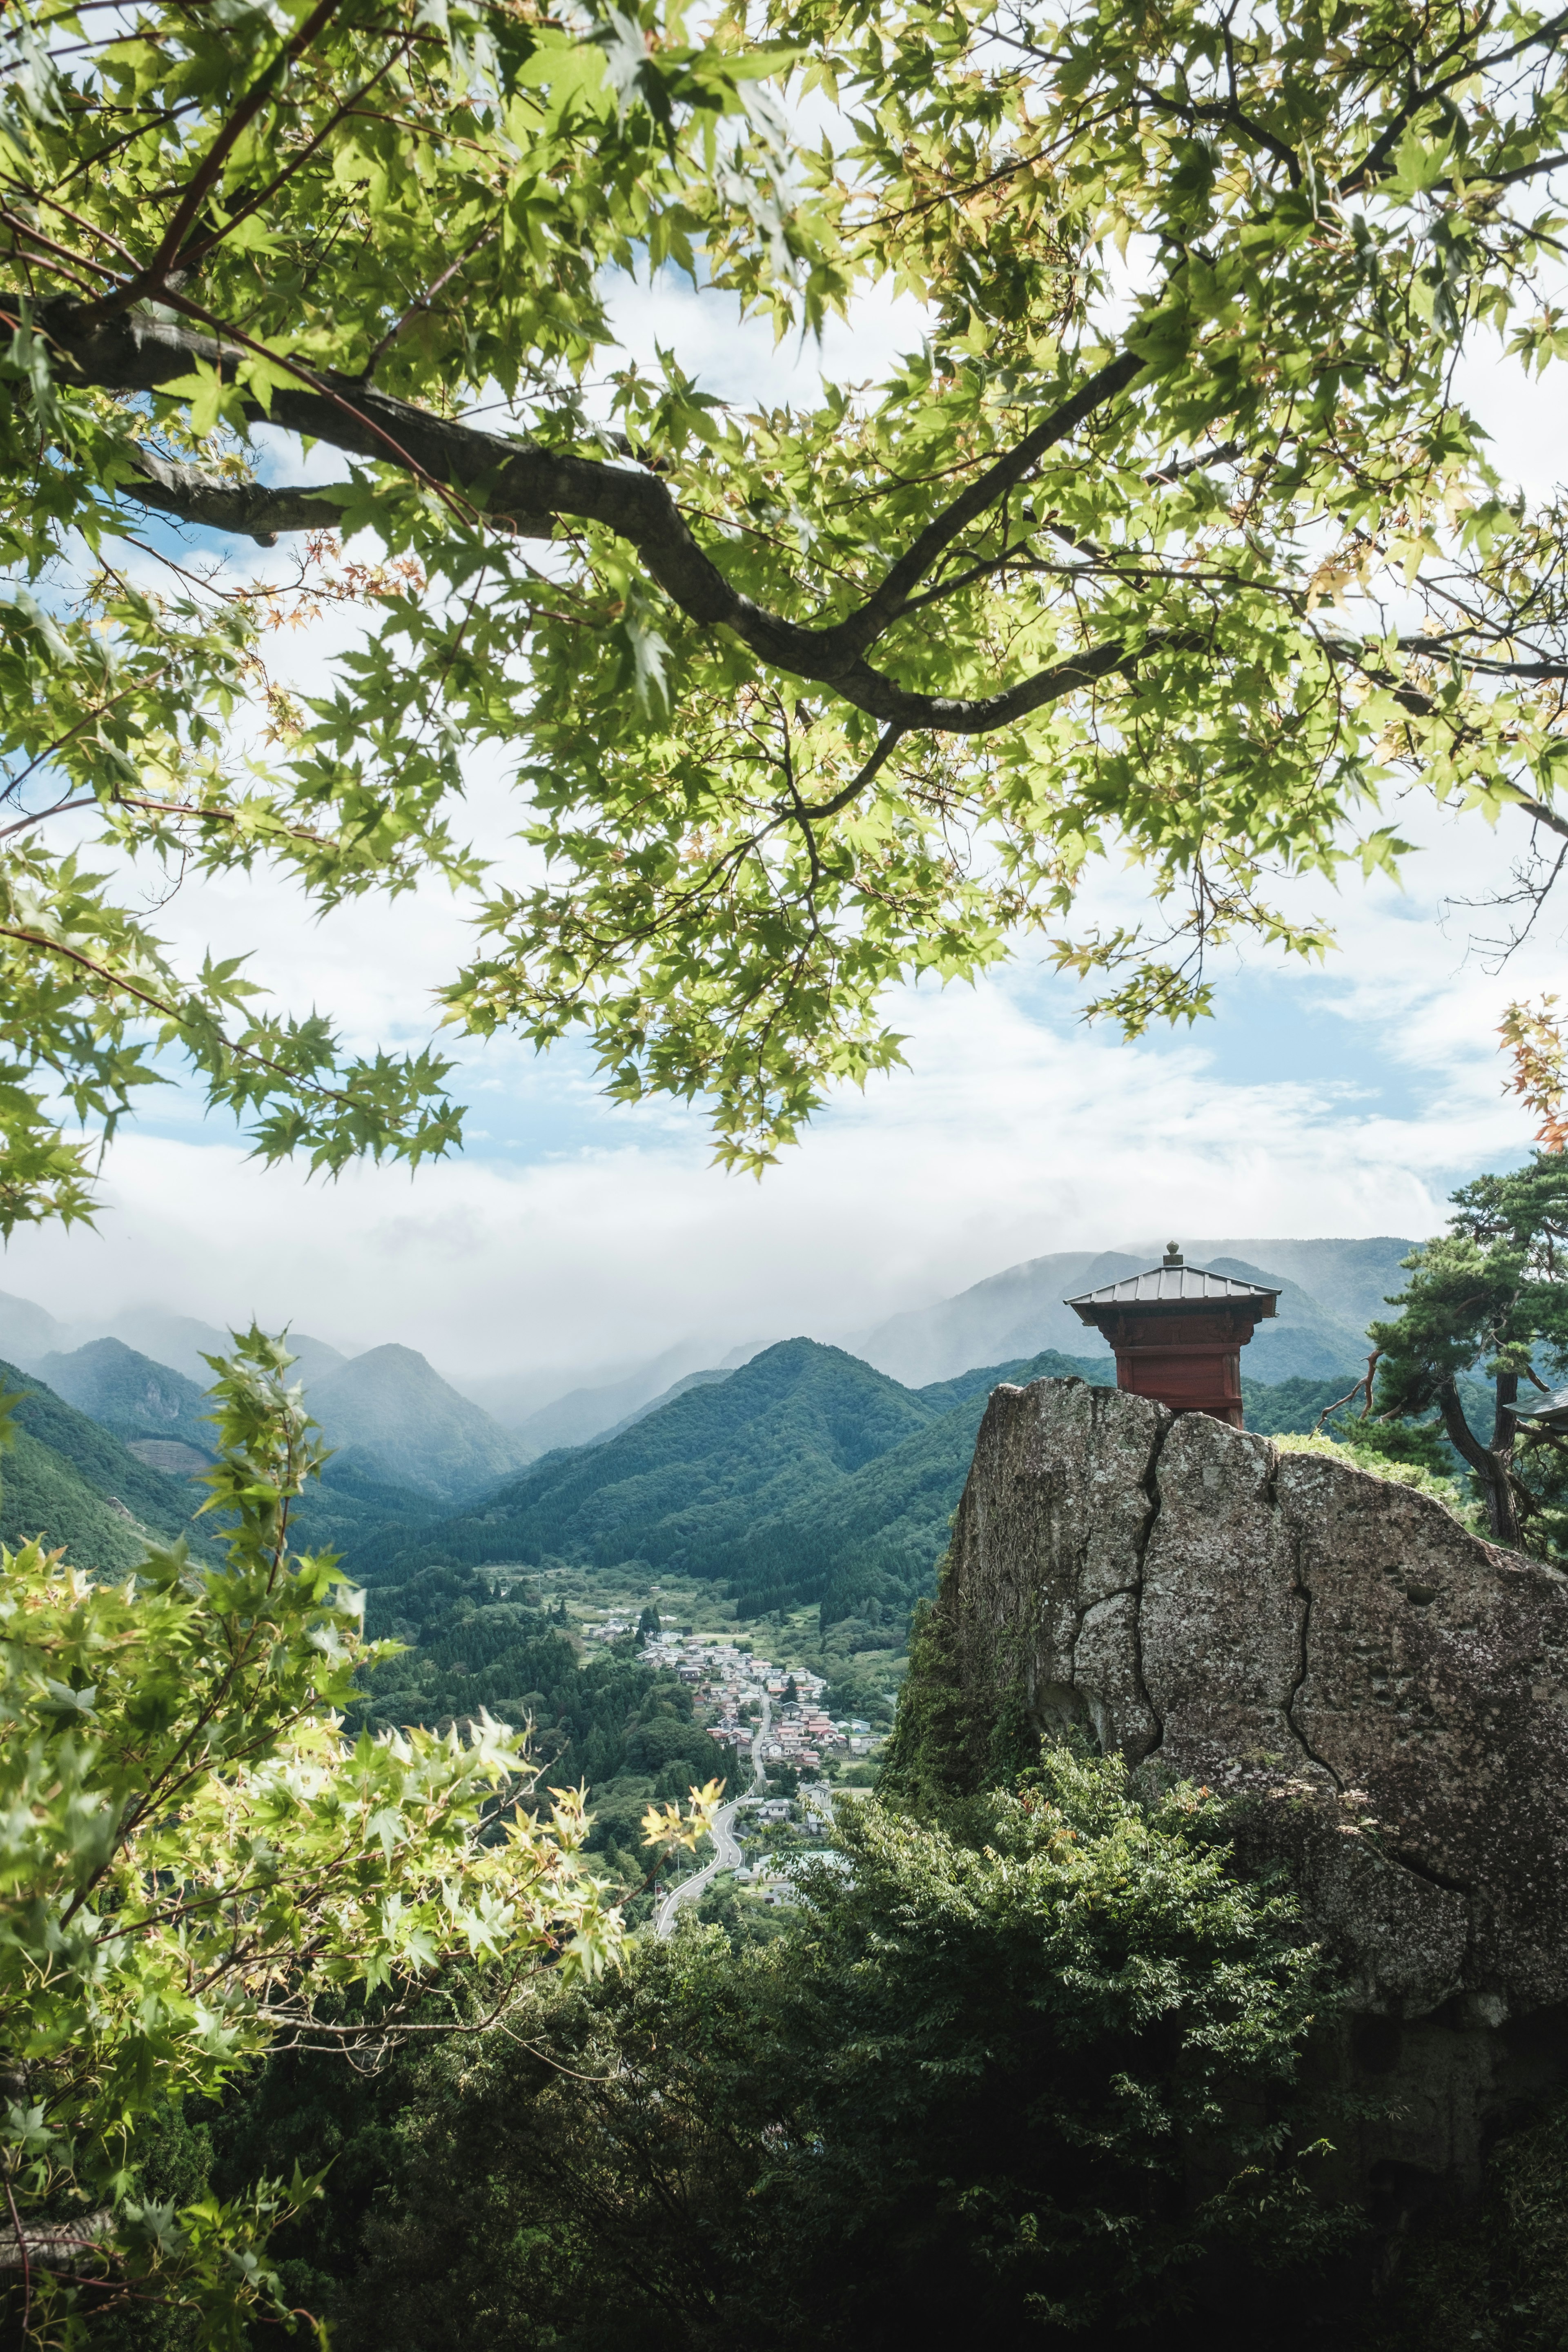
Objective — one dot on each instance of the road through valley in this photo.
(726, 1852)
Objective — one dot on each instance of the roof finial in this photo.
(1174, 1254)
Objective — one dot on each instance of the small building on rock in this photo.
(1177, 1333)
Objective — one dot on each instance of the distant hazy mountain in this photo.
(1334, 1288)
(1350, 1280)
(156, 1412)
(182, 1342)
(523, 1402)
(26, 1330)
(395, 1420)
(29, 1332)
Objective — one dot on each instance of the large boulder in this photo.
(1389, 1693)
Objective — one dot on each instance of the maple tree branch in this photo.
(248, 510)
(151, 281)
(524, 488)
(169, 1012)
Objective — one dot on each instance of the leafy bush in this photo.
(194, 1865)
(966, 2091)
(1495, 2279)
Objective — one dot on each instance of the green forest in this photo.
(1029, 2048)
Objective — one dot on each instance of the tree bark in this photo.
(1491, 1463)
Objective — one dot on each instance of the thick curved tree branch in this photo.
(248, 510)
(885, 605)
(1541, 813)
(262, 514)
(525, 489)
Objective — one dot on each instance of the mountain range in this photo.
(180, 1342)
(1330, 1291)
(395, 1424)
(806, 1476)
(395, 1420)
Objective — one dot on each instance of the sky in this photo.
(573, 1238)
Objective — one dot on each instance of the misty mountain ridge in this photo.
(402, 1438)
(1331, 1289)
(29, 1333)
(392, 1418)
(400, 1429)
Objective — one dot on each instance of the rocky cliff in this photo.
(1387, 1695)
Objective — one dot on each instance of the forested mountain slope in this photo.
(145, 1403)
(74, 1479)
(687, 1485)
(395, 1420)
(68, 1480)
(879, 1533)
(803, 1468)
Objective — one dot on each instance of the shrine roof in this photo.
(1173, 1284)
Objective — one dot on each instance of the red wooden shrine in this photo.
(1178, 1332)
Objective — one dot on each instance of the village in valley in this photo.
(736, 1687)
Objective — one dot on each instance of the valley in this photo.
(748, 1544)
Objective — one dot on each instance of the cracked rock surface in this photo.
(1391, 1692)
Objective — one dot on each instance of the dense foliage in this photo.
(1497, 2280)
(1169, 540)
(1489, 1299)
(197, 1867)
(1018, 2074)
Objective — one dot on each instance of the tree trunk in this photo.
(1491, 1463)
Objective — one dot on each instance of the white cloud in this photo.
(1013, 1134)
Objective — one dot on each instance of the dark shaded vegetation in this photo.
(960, 2094)
(1495, 2279)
